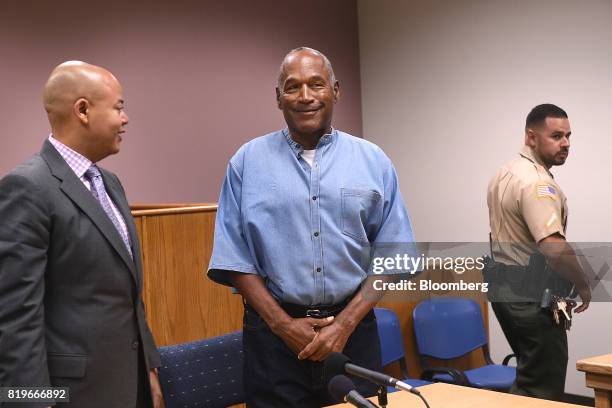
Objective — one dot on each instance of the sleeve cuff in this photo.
(218, 273)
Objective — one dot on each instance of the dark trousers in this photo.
(274, 377)
(143, 398)
(540, 345)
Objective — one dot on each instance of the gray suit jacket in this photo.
(71, 312)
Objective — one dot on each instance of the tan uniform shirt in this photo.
(526, 205)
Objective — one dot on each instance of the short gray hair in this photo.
(328, 65)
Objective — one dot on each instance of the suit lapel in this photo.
(115, 192)
(78, 193)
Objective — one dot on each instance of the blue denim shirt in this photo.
(304, 229)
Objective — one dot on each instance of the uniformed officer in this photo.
(528, 214)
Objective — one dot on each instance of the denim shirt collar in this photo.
(297, 148)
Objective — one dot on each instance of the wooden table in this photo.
(598, 372)
(440, 395)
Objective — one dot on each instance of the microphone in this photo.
(343, 389)
(338, 363)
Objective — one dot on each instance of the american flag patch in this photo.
(546, 191)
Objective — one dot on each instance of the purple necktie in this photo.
(99, 192)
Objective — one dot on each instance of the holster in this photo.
(532, 281)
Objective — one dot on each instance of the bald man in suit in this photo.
(71, 313)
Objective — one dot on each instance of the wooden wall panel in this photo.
(138, 222)
(182, 304)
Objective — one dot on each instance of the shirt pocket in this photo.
(357, 208)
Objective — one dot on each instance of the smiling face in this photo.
(306, 95)
(550, 141)
(107, 119)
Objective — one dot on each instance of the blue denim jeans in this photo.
(274, 377)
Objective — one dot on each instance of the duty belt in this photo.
(503, 273)
(529, 281)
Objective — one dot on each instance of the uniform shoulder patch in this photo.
(545, 190)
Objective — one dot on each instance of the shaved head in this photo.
(85, 107)
(71, 81)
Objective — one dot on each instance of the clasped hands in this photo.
(314, 339)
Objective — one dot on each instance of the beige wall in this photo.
(446, 86)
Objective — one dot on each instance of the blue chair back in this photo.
(204, 373)
(391, 343)
(448, 328)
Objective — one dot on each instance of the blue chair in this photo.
(392, 345)
(448, 328)
(204, 373)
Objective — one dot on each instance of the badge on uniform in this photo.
(546, 191)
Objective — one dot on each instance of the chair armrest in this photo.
(508, 358)
(459, 376)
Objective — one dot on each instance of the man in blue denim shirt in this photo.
(298, 208)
